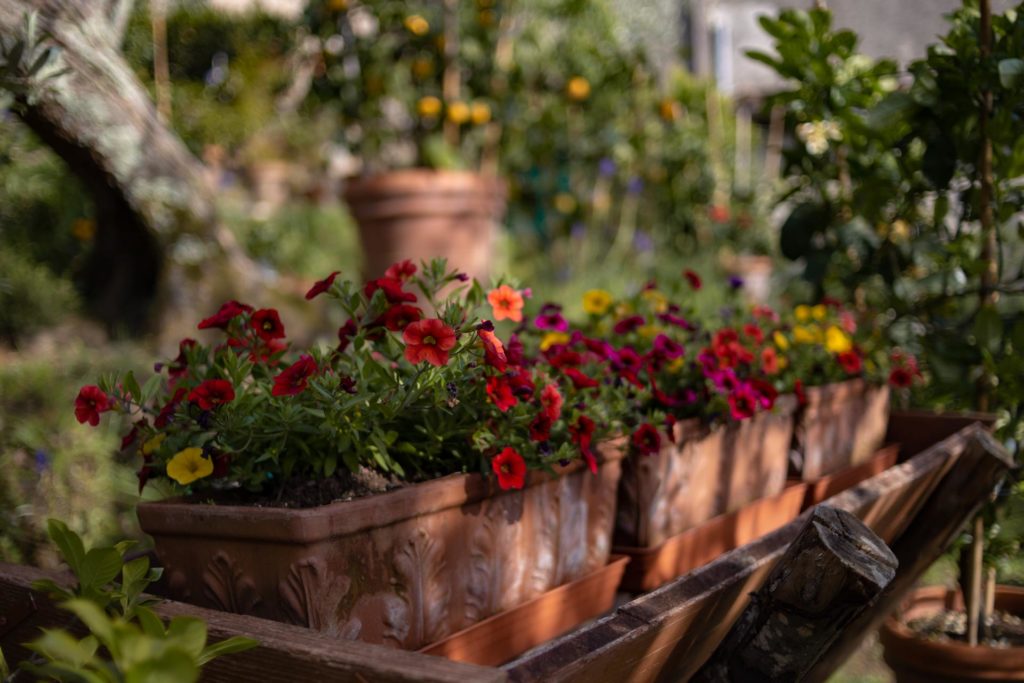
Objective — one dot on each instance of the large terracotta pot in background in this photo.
(404, 568)
(707, 472)
(916, 660)
(421, 214)
(842, 425)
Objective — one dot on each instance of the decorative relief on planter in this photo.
(225, 584)
(419, 564)
(310, 594)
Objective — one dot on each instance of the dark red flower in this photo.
(521, 383)
(322, 286)
(400, 316)
(91, 401)
(666, 348)
(561, 357)
(582, 433)
(579, 380)
(693, 279)
(901, 378)
(345, 334)
(629, 324)
(753, 332)
(540, 427)
(265, 352)
(514, 350)
(428, 340)
(672, 319)
(850, 362)
(510, 468)
(229, 310)
(801, 395)
(742, 403)
(179, 366)
(500, 393)
(670, 427)
(401, 271)
(267, 324)
(295, 377)
(221, 465)
(347, 384)
(646, 440)
(392, 289)
(766, 393)
(551, 402)
(494, 351)
(212, 393)
(167, 412)
(143, 474)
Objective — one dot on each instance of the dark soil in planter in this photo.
(1004, 629)
(298, 492)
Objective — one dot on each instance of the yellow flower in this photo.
(782, 362)
(552, 338)
(428, 107)
(596, 301)
(458, 112)
(837, 341)
(805, 335)
(479, 113)
(803, 313)
(578, 88)
(676, 365)
(657, 300)
(669, 110)
(648, 331)
(416, 24)
(819, 312)
(188, 465)
(565, 203)
(153, 444)
(780, 341)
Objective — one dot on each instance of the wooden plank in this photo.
(832, 572)
(916, 430)
(669, 633)
(286, 653)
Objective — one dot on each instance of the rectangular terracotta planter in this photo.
(707, 472)
(505, 636)
(841, 425)
(650, 568)
(404, 568)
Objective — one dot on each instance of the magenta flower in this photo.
(666, 348)
(551, 318)
(629, 324)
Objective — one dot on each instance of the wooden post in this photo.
(954, 502)
(832, 572)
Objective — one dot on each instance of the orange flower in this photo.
(507, 303)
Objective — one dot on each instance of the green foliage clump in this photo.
(31, 297)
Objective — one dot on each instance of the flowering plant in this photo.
(417, 387)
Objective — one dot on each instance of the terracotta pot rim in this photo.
(946, 657)
(309, 525)
(422, 180)
(840, 390)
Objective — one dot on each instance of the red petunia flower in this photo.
(229, 310)
(494, 351)
(178, 367)
(719, 213)
(510, 468)
(850, 362)
(582, 433)
(401, 271)
(901, 378)
(765, 392)
(801, 395)
(753, 332)
(561, 357)
(400, 316)
(90, 402)
(167, 412)
(428, 340)
(345, 334)
(693, 279)
(627, 325)
(322, 286)
(500, 393)
(742, 403)
(646, 440)
(579, 380)
(514, 350)
(540, 427)
(267, 324)
(212, 393)
(521, 383)
(551, 402)
(392, 289)
(769, 361)
(295, 377)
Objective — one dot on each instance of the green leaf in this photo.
(173, 666)
(988, 329)
(151, 624)
(1011, 72)
(68, 542)
(131, 385)
(150, 388)
(59, 645)
(100, 567)
(94, 618)
(189, 634)
(799, 229)
(226, 647)
(5, 670)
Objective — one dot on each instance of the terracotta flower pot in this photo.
(916, 660)
(404, 568)
(421, 214)
(842, 425)
(707, 472)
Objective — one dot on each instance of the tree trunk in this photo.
(149, 191)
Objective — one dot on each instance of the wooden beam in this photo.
(968, 486)
(833, 571)
(286, 652)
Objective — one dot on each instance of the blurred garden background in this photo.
(158, 157)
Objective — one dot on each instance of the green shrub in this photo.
(31, 296)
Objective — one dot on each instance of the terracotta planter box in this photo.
(829, 485)
(404, 568)
(421, 214)
(507, 635)
(650, 568)
(916, 660)
(707, 472)
(842, 425)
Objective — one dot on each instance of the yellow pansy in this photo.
(806, 335)
(803, 313)
(458, 112)
(480, 113)
(428, 107)
(819, 312)
(416, 24)
(837, 341)
(658, 300)
(596, 301)
(189, 465)
(780, 341)
(153, 444)
(578, 88)
(552, 338)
